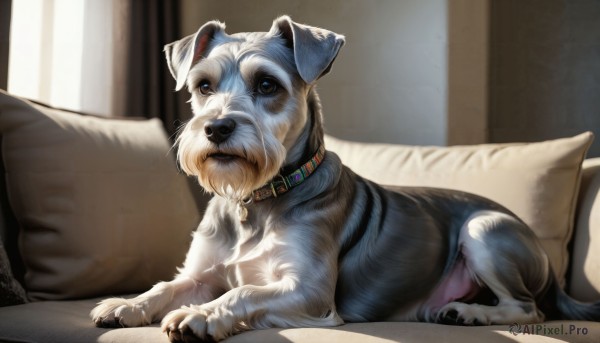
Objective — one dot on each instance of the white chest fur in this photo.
(257, 261)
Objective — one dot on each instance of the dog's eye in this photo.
(267, 86)
(205, 87)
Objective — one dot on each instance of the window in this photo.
(61, 53)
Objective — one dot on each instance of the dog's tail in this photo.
(558, 305)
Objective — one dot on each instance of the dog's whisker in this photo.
(264, 146)
(177, 139)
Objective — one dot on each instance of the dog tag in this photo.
(242, 212)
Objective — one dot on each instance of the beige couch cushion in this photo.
(537, 181)
(101, 205)
(67, 322)
(585, 270)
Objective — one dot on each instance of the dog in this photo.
(293, 238)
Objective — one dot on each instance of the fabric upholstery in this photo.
(101, 204)
(537, 181)
(585, 267)
(12, 266)
(424, 332)
(11, 291)
(67, 322)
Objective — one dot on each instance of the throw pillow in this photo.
(101, 204)
(11, 292)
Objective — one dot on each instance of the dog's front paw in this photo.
(196, 324)
(186, 325)
(119, 312)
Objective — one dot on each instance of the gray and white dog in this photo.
(293, 238)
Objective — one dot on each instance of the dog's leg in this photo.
(249, 307)
(502, 254)
(297, 290)
(199, 281)
(152, 305)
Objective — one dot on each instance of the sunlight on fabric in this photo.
(60, 53)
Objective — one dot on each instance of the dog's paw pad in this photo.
(462, 314)
(118, 313)
(186, 325)
(182, 335)
(450, 317)
(476, 322)
(109, 322)
(185, 334)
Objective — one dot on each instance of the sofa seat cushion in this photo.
(388, 332)
(68, 321)
(539, 181)
(101, 205)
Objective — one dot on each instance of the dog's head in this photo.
(252, 100)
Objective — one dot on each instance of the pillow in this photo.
(11, 292)
(539, 182)
(585, 270)
(101, 205)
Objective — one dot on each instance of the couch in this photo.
(93, 207)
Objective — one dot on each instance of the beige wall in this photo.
(468, 54)
(446, 72)
(389, 84)
(545, 70)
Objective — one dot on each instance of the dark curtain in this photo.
(144, 86)
(5, 11)
(149, 88)
(8, 222)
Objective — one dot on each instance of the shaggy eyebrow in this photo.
(250, 66)
(211, 69)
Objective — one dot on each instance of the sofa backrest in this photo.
(585, 267)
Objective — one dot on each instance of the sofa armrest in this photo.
(585, 267)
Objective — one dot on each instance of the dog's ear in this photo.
(184, 53)
(315, 49)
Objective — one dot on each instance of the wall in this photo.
(446, 72)
(468, 55)
(544, 70)
(389, 84)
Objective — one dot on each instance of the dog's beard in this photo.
(234, 168)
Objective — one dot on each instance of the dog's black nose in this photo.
(218, 130)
